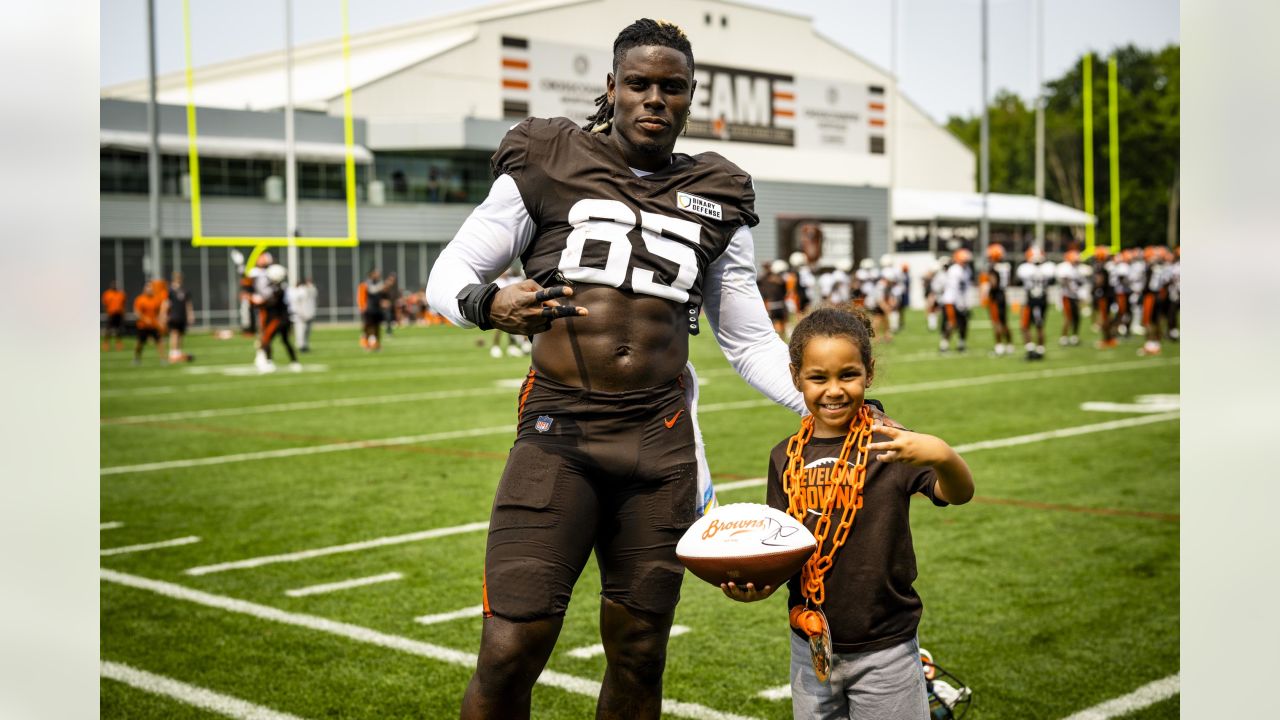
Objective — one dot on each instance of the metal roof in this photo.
(944, 206)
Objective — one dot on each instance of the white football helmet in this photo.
(276, 273)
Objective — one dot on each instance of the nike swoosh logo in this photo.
(671, 423)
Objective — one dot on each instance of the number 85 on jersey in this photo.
(610, 221)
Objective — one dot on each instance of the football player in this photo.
(1155, 295)
(625, 243)
(955, 300)
(998, 275)
(178, 314)
(867, 275)
(1104, 296)
(1071, 278)
(1035, 276)
(146, 308)
(773, 288)
(270, 298)
(369, 299)
(113, 300)
(935, 282)
(1118, 272)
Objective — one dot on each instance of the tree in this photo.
(1148, 98)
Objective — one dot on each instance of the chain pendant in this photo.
(820, 649)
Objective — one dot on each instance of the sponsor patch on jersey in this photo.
(699, 205)
(543, 423)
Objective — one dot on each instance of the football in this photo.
(746, 543)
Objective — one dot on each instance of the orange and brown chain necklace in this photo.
(809, 617)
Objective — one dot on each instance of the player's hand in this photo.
(908, 447)
(527, 308)
(748, 593)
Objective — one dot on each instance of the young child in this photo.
(849, 475)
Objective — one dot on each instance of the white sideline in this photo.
(466, 612)
(305, 450)
(570, 683)
(149, 546)
(335, 549)
(590, 651)
(190, 694)
(782, 692)
(1010, 441)
(343, 585)
(713, 407)
(1148, 694)
(304, 405)
(110, 525)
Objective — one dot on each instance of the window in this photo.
(423, 177)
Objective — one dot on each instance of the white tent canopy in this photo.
(948, 206)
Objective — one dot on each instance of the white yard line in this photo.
(570, 683)
(739, 484)
(306, 405)
(1066, 432)
(782, 692)
(282, 378)
(110, 525)
(343, 585)
(974, 381)
(466, 612)
(1148, 694)
(149, 546)
(190, 694)
(337, 549)
(590, 651)
(713, 407)
(1009, 441)
(305, 450)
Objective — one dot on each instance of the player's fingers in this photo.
(552, 293)
(559, 311)
(890, 456)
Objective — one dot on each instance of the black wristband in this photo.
(474, 302)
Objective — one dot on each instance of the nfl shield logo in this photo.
(543, 424)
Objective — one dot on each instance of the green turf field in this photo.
(1055, 590)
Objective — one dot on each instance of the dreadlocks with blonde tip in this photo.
(640, 33)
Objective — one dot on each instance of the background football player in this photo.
(1070, 278)
(1035, 276)
(999, 274)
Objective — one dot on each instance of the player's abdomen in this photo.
(627, 341)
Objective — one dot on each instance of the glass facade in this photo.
(461, 176)
(125, 172)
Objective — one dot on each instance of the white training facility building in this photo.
(812, 121)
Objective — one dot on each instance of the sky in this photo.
(939, 41)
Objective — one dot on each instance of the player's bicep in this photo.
(496, 232)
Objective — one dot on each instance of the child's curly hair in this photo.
(849, 321)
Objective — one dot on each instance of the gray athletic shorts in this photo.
(878, 685)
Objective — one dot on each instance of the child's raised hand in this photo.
(908, 447)
(747, 593)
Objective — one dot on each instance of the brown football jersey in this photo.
(598, 223)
